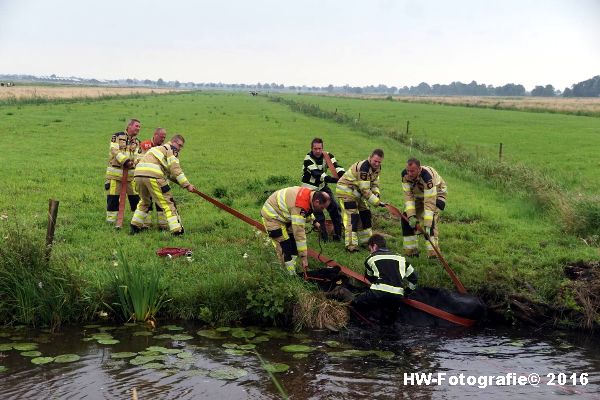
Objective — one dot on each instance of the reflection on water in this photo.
(191, 362)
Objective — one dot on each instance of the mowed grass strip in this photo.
(240, 149)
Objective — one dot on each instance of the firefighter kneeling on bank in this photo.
(284, 216)
(424, 197)
(156, 166)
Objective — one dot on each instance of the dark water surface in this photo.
(188, 368)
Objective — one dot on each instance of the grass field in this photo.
(243, 148)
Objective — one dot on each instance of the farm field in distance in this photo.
(48, 92)
(241, 148)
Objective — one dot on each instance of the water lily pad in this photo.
(210, 334)
(6, 346)
(149, 353)
(299, 335)
(181, 337)
(299, 356)
(185, 354)
(236, 352)
(195, 372)
(140, 360)
(241, 334)
(101, 336)
(230, 345)
(154, 365)
(3, 368)
(123, 354)
(66, 358)
(276, 333)
(276, 367)
(25, 346)
(92, 326)
(228, 373)
(333, 343)
(173, 328)
(15, 338)
(108, 341)
(297, 348)
(163, 350)
(130, 324)
(350, 353)
(260, 339)
(163, 336)
(107, 328)
(115, 363)
(42, 360)
(142, 333)
(223, 329)
(33, 353)
(387, 355)
(247, 346)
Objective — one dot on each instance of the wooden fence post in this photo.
(500, 153)
(52, 214)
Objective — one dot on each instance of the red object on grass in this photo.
(174, 252)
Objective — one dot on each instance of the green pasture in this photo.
(241, 148)
(561, 146)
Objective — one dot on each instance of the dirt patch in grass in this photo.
(69, 92)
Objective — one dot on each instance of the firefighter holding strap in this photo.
(284, 215)
(357, 188)
(158, 138)
(314, 176)
(424, 197)
(123, 150)
(159, 164)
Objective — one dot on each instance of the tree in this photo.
(160, 82)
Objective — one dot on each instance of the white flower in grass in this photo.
(169, 256)
(115, 264)
(245, 255)
(190, 259)
(3, 217)
(40, 285)
(102, 314)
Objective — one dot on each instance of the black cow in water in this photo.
(461, 305)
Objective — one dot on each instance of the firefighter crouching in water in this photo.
(424, 197)
(122, 154)
(284, 215)
(357, 187)
(391, 279)
(314, 176)
(159, 164)
(158, 138)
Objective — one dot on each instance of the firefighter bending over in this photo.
(156, 166)
(424, 197)
(284, 215)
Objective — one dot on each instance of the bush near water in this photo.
(509, 230)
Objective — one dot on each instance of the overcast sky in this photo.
(311, 42)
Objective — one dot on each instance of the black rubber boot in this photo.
(134, 229)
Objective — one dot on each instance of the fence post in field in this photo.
(52, 214)
(500, 153)
(407, 124)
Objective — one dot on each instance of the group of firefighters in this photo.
(149, 166)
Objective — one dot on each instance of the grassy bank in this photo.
(241, 148)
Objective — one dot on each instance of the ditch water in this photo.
(187, 361)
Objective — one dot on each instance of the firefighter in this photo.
(124, 147)
(357, 188)
(158, 138)
(391, 279)
(314, 176)
(284, 215)
(154, 168)
(424, 197)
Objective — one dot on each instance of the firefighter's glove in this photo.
(330, 179)
(316, 226)
(128, 164)
(427, 230)
(412, 221)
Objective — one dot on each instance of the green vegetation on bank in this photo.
(241, 148)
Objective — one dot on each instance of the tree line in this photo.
(588, 88)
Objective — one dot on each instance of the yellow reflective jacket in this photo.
(122, 148)
(360, 181)
(426, 190)
(162, 162)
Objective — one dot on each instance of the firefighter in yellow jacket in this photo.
(357, 188)
(124, 147)
(156, 166)
(424, 197)
(284, 215)
(158, 138)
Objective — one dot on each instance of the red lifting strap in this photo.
(346, 271)
(330, 164)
